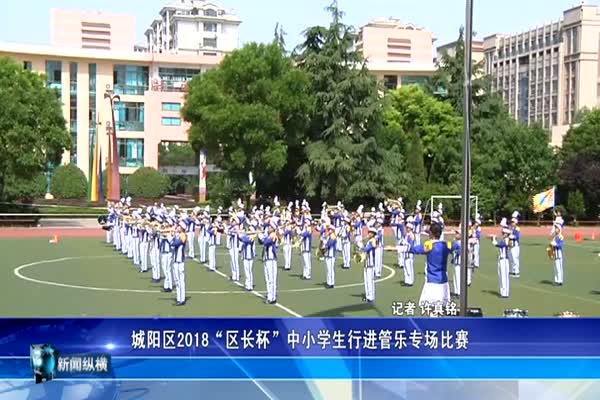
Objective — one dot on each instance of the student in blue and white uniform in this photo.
(379, 249)
(456, 257)
(346, 240)
(397, 224)
(248, 255)
(178, 243)
(219, 221)
(116, 230)
(166, 253)
(369, 272)
(436, 288)
(306, 248)
(358, 225)
(203, 234)
(476, 234)
(192, 221)
(155, 253)
(144, 244)
(503, 262)
(270, 243)
(409, 261)
(233, 246)
(212, 233)
(418, 223)
(330, 253)
(288, 237)
(515, 249)
(135, 238)
(558, 245)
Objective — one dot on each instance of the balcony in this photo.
(130, 126)
(166, 86)
(130, 90)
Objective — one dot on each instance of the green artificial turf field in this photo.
(86, 277)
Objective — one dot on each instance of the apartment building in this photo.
(477, 50)
(91, 53)
(397, 53)
(194, 27)
(548, 73)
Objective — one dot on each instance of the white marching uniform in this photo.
(202, 241)
(166, 258)
(287, 249)
(409, 260)
(558, 243)
(135, 238)
(346, 246)
(248, 255)
(233, 246)
(178, 244)
(212, 247)
(191, 236)
(515, 250)
(503, 266)
(270, 266)
(144, 243)
(379, 253)
(306, 246)
(330, 252)
(155, 256)
(369, 272)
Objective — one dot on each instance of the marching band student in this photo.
(116, 230)
(212, 232)
(192, 220)
(110, 221)
(330, 253)
(219, 220)
(346, 242)
(288, 235)
(476, 234)
(397, 224)
(358, 227)
(144, 242)
(178, 243)
(166, 258)
(379, 249)
(369, 273)
(409, 261)
(135, 238)
(456, 258)
(436, 288)
(270, 242)
(203, 234)
(558, 244)
(503, 263)
(233, 245)
(155, 253)
(248, 254)
(306, 248)
(515, 238)
(418, 223)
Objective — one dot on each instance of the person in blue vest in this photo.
(305, 233)
(369, 272)
(330, 253)
(515, 249)
(436, 288)
(557, 244)
(270, 244)
(503, 246)
(166, 252)
(178, 243)
(248, 255)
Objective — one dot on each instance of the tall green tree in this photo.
(32, 127)
(251, 114)
(343, 158)
(580, 160)
(449, 80)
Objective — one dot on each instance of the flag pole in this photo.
(466, 196)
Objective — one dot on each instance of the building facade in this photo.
(398, 54)
(151, 87)
(477, 50)
(193, 27)
(548, 73)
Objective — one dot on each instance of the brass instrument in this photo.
(358, 255)
(392, 202)
(551, 252)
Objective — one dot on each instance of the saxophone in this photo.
(551, 251)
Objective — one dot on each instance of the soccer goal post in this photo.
(436, 199)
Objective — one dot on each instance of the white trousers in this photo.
(190, 239)
(271, 279)
(136, 250)
(202, 243)
(401, 258)
(456, 279)
(307, 261)
(144, 256)
(359, 241)
(123, 241)
(330, 264)
(409, 271)
(558, 270)
(116, 232)
(155, 259)
(515, 253)
(287, 256)
(378, 262)
(166, 267)
(129, 241)
(249, 274)
(234, 264)
(369, 276)
(476, 248)
(434, 293)
(212, 261)
(108, 236)
(179, 271)
(503, 275)
(346, 250)
(417, 239)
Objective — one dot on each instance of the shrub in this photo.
(147, 182)
(69, 182)
(26, 189)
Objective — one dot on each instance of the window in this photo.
(73, 109)
(575, 40)
(210, 27)
(171, 106)
(130, 79)
(129, 116)
(390, 81)
(131, 152)
(210, 13)
(171, 121)
(27, 65)
(414, 80)
(209, 42)
(54, 74)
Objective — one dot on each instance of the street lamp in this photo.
(114, 184)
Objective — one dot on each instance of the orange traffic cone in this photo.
(54, 239)
(578, 237)
(594, 235)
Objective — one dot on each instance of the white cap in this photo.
(515, 214)
(504, 223)
(183, 224)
